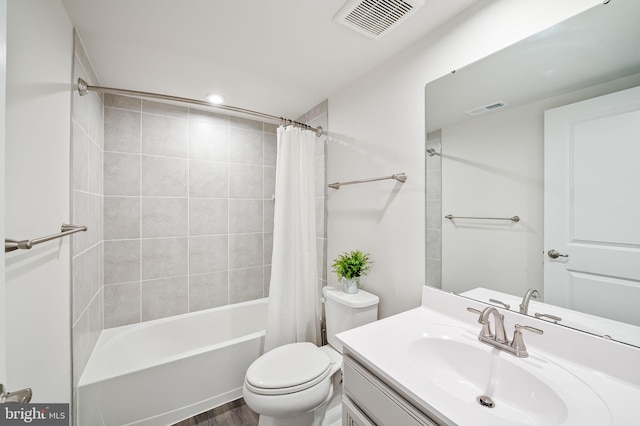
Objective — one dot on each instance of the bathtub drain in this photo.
(485, 401)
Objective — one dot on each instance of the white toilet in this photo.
(288, 384)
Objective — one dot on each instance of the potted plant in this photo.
(350, 267)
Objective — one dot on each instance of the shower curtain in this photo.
(293, 310)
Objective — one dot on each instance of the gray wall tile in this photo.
(267, 247)
(164, 217)
(121, 304)
(121, 130)
(245, 216)
(434, 244)
(270, 149)
(80, 211)
(208, 216)
(96, 155)
(269, 183)
(94, 224)
(122, 102)
(164, 136)
(245, 181)
(208, 254)
(208, 179)
(246, 284)
(80, 160)
(121, 217)
(247, 147)
(121, 174)
(163, 176)
(208, 117)
(208, 290)
(121, 261)
(243, 123)
(266, 280)
(164, 257)
(434, 215)
(245, 250)
(208, 141)
(168, 110)
(96, 125)
(164, 298)
(268, 206)
(270, 128)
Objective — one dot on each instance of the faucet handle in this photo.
(486, 328)
(526, 327)
(501, 303)
(517, 344)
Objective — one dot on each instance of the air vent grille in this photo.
(374, 18)
(487, 108)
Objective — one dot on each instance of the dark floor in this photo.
(234, 413)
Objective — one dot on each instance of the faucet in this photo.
(501, 335)
(524, 306)
(21, 397)
(499, 340)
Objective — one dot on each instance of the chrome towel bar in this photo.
(400, 177)
(65, 229)
(513, 219)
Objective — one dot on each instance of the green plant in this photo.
(351, 265)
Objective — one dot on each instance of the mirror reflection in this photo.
(547, 130)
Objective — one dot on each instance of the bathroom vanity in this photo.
(427, 366)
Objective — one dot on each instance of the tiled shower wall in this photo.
(188, 209)
(87, 247)
(434, 210)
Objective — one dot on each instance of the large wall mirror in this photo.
(533, 175)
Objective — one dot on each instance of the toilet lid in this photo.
(289, 366)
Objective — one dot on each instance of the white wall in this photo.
(377, 128)
(37, 306)
(3, 75)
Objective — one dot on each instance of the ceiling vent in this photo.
(375, 18)
(487, 108)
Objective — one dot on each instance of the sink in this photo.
(498, 388)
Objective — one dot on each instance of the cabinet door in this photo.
(381, 404)
(352, 416)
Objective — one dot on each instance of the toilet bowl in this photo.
(291, 384)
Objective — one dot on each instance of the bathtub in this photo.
(159, 372)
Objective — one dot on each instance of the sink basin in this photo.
(498, 388)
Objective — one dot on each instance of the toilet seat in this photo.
(288, 369)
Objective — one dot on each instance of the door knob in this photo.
(554, 254)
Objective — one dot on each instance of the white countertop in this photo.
(608, 372)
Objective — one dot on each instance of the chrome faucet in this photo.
(499, 340)
(524, 306)
(501, 335)
(21, 397)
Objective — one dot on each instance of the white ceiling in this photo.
(280, 57)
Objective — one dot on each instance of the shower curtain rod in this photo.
(84, 88)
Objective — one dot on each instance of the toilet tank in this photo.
(346, 311)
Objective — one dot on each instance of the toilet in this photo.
(291, 384)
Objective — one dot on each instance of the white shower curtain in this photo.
(293, 310)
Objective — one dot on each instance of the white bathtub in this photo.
(163, 371)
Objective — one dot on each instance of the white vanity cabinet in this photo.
(368, 401)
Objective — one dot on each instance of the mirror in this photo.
(485, 134)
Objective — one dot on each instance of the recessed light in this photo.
(215, 98)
